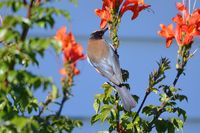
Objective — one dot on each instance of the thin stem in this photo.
(142, 104)
(179, 72)
(64, 99)
(118, 113)
(44, 107)
(26, 28)
(41, 111)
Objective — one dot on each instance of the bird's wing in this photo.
(114, 62)
(102, 67)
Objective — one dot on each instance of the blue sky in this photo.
(140, 49)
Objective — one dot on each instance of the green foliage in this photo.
(169, 97)
(20, 110)
(107, 106)
(103, 112)
(53, 123)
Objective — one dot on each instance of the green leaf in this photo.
(105, 111)
(182, 112)
(180, 97)
(155, 90)
(12, 76)
(100, 97)
(43, 16)
(12, 21)
(171, 128)
(164, 98)
(102, 132)
(177, 123)
(130, 126)
(136, 98)
(15, 5)
(161, 125)
(149, 110)
(96, 105)
(3, 103)
(95, 118)
(108, 90)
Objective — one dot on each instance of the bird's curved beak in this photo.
(104, 30)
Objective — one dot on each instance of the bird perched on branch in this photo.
(104, 59)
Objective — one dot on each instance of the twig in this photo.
(118, 114)
(142, 104)
(64, 99)
(26, 28)
(44, 107)
(179, 72)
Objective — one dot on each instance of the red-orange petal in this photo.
(61, 33)
(178, 19)
(63, 72)
(103, 24)
(168, 42)
(180, 6)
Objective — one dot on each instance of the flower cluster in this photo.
(187, 27)
(112, 8)
(72, 51)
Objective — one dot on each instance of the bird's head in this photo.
(98, 34)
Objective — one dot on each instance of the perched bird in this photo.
(104, 59)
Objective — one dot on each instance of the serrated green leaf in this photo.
(95, 118)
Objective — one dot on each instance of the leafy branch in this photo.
(183, 56)
(154, 78)
(17, 83)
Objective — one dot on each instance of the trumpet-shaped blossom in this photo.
(72, 51)
(168, 33)
(187, 27)
(136, 6)
(112, 7)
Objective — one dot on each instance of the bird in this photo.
(104, 58)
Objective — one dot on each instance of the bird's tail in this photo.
(127, 100)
